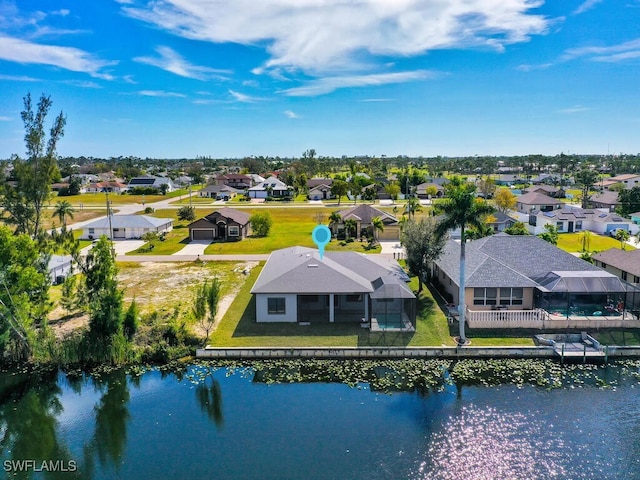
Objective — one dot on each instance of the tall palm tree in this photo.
(462, 209)
(350, 225)
(63, 210)
(413, 206)
(378, 226)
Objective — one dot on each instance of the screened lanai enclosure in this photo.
(393, 308)
(587, 294)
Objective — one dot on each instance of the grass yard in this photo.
(99, 199)
(572, 242)
(291, 226)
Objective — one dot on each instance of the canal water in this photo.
(221, 423)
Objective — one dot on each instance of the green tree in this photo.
(423, 245)
(378, 226)
(550, 234)
(131, 320)
(505, 200)
(24, 200)
(518, 228)
(205, 305)
(261, 224)
(69, 293)
(461, 209)
(350, 227)
(103, 295)
(585, 178)
(629, 200)
(393, 190)
(24, 294)
(334, 220)
(187, 213)
(164, 188)
(622, 236)
(63, 210)
(585, 240)
(413, 206)
(339, 188)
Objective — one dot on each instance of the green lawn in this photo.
(291, 226)
(572, 242)
(99, 199)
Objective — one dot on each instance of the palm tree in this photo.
(63, 210)
(334, 219)
(350, 225)
(413, 205)
(585, 238)
(462, 209)
(378, 226)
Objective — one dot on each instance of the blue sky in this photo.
(233, 78)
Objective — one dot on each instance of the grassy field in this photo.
(572, 242)
(291, 226)
(99, 199)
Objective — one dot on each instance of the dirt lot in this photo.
(164, 286)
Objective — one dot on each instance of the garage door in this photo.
(202, 235)
(390, 233)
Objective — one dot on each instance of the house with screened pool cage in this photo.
(297, 286)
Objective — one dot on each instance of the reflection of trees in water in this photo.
(210, 401)
(112, 415)
(28, 425)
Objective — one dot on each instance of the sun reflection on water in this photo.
(484, 443)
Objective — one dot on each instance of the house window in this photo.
(511, 296)
(636, 279)
(92, 231)
(234, 231)
(310, 299)
(579, 225)
(354, 298)
(276, 305)
(560, 226)
(485, 296)
(624, 276)
(533, 220)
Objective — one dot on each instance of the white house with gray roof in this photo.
(121, 227)
(575, 219)
(296, 285)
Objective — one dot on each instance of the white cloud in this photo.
(320, 37)
(376, 100)
(241, 97)
(68, 58)
(5, 119)
(172, 62)
(159, 93)
(614, 53)
(82, 84)
(575, 109)
(531, 68)
(587, 5)
(291, 114)
(326, 85)
(19, 78)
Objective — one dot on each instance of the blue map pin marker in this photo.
(321, 235)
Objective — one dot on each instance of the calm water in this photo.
(161, 426)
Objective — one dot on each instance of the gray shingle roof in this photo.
(299, 270)
(537, 198)
(625, 260)
(508, 261)
(365, 213)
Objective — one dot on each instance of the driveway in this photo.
(392, 248)
(195, 247)
(123, 246)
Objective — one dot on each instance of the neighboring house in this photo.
(624, 264)
(219, 192)
(110, 187)
(314, 182)
(150, 181)
(59, 268)
(271, 187)
(629, 180)
(534, 202)
(507, 179)
(549, 190)
(363, 214)
(320, 192)
(502, 221)
(183, 181)
(575, 219)
(295, 285)
(606, 199)
(223, 224)
(120, 227)
(423, 189)
(235, 180)
(514, 281)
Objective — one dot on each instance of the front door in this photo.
(222, 231)
(570, 227)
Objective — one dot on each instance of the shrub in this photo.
(261, 224)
